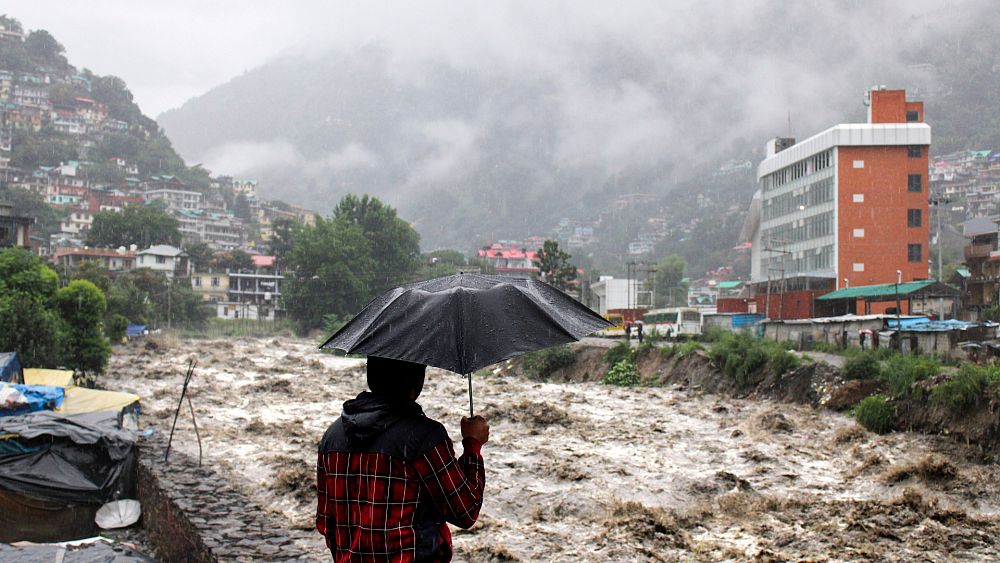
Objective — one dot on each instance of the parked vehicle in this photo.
(673, 321)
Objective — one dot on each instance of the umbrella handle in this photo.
(471, 412)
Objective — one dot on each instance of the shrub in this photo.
(861, 366)
(738, 355)
(963, 389)
(617, 353)
(685, 349)
(714, 334)
(779, 360)
(874, 413)
(543, 363)
(901, 372)
(624, 373)
(115, 327)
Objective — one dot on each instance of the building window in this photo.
(215, 282)
(859, 164)
(859, 198)
(913, 217)
(859, 233)
(915, 183)
(161, 259)
(859, 267)
(197, 282)
(914, 252)
(913, 151)
(912, 116)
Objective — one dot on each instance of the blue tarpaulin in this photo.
(135, 330)
(925, 324)
(22, 399)
(10, 367)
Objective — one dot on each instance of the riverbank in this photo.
(581, 470)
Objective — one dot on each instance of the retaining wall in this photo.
(192, 513)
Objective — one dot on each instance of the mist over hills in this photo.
(502, 137)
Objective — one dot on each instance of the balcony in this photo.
(978, 251)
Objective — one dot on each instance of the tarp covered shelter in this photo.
(53, 377)
(57, 470)
(16, 398)
(10, 367)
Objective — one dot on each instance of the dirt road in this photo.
(583, 471)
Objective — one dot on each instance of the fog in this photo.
(556, 95)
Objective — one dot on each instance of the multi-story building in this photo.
(848, 205)
(254, 294)
(175, 199)
(212, 286)
(110, 259)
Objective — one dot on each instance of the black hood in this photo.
(369, 415)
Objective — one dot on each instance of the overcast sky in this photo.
(170, 51)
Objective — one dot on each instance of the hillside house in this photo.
(112, 260)
(164, 258)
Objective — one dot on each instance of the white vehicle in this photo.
(673, 322)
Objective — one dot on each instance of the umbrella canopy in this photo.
(465, 322)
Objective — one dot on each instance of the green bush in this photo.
(963, 389)
(617, 353)
(543, 363)
(116, 326)
(779, 360)
(901, 371)
(861, 366)
(624, 373)
(714, 334)
(685, 349)
(874, 413)
(740, 355)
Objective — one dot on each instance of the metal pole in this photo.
(471, 411)
(180, 403)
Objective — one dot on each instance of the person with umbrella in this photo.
(388, 479)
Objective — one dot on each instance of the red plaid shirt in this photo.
(367, 501)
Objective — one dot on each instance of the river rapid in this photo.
(584, 471)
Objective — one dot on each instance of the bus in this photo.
(673, 321)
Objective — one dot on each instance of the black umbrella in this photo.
(465, 322)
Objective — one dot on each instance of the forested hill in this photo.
(478, 152)
(54, 112)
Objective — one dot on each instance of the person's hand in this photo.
(476, 428)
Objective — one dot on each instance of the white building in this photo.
(175, 199)
(164, 258)
(614, 293)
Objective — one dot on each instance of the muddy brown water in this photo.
(583, 471)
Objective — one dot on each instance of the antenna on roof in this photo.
(789, 123)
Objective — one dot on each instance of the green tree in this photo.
(45, 51)
(441, 263)
(236, 261)
(139, 225)
(201, 256)
(332, 271)
(392, 243)
(668, 288)
(83, 306)
(241, 208)
(554, 266)
(284, 231)
(28, 324)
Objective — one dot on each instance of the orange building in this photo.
(848, 206)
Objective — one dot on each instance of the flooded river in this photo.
(583, 471)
